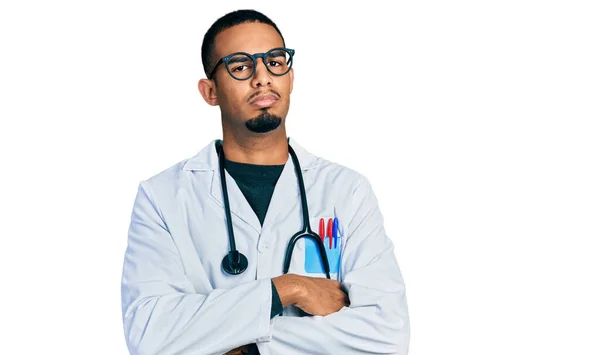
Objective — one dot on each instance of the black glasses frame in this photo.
(264, 57)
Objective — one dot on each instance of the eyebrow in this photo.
(239, 59)
(278, 53)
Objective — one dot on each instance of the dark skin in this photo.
(316, 296)
(239, 143)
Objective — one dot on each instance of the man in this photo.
(185, 290)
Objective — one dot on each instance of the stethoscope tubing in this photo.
(235, 262)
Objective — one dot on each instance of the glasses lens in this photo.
(278, 61)
(240, 66)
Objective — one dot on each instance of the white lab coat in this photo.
(177, 300)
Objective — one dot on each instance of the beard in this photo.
(265, 122)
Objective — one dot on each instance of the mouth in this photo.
(264, 101)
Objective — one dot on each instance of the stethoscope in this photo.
(234, 263)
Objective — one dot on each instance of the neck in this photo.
(261, 149)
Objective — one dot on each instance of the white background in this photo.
(475, 121)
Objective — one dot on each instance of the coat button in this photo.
(263, 247)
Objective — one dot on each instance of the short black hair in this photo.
(227, 21)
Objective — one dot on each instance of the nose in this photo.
(262, 76)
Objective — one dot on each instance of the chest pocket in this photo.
(331, 232)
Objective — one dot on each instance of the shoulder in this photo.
(167, 175)
(166, 182)
(347, 181)
(173, 178)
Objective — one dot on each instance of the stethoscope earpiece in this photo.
(234, 263)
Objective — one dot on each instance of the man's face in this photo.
(240, 101)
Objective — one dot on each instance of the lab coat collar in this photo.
(285, 194)
(207, 158)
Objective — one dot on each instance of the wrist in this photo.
(291, 289)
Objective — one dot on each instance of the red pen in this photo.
(330, 231)
(322, 230)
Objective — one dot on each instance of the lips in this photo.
(263, 101)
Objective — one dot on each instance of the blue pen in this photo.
(335, 232)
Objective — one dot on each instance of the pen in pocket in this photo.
(330, 231)
(335, 232)
(322, 229)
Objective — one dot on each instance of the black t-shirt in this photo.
(257, 183)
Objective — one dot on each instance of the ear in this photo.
(291, 80)
(208, 90)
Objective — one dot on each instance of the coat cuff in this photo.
(264, 325)
(276, 306)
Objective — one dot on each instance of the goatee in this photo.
(265, 122)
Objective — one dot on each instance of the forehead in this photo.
(252, 37)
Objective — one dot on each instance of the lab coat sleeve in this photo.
(162, 313)
(376, 322)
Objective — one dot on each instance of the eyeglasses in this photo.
(242, 66)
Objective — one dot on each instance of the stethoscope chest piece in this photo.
(234, 263)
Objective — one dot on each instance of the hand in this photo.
(238, 351)
(321, 296)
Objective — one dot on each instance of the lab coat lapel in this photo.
(286, 192)
(238, 204)
(207, 161)
(286, 195)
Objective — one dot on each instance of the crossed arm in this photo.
(162, 314)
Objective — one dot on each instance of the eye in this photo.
(274, 63)
(240, 68)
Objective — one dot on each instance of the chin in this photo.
(264, 122)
